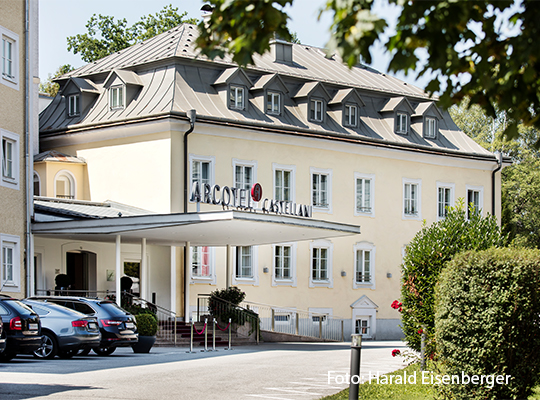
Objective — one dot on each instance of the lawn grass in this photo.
(374, 390)
(379, 391)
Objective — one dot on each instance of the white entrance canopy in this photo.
(220, 228)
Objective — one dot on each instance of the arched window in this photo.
(64, 185)
(37, 184)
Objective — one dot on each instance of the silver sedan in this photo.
(64, 331)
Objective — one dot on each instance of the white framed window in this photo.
(364, 265)
(64, 185)
(321, 264)
(11, 262)
(445, 198)
(117, 97)
(201, 170)
(350, 115)
(365, 194)
(283, 317)
(10, 159)
(284, 265)
(10, 58)
(430, 128)
(475, 200)
(202, 265)
(326, 313)
(284, 182)
(73, 105)
(244, 173)
(236, 97)
(245, 265)
(273, 103)
(362, 326)
(412, 199)
(321, 189)
(402, 123)
(316, 110)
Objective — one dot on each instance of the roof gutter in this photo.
(497, 169)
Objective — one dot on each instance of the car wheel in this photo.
(49, 348)
(6, 355)
(84, 352)
(65, 354)
(104, 351)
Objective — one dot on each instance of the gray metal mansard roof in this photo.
(170, 79)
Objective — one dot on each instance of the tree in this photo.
(484, 50)
(106, 36)
(50, 87)
(425, 256)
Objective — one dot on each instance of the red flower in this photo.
(400, 309)
(395, 352)
(420, 331)
(396, 304)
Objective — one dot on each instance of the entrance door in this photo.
(81, 269)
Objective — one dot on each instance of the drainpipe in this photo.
(499, 166)
(192, 115)
(28, 154)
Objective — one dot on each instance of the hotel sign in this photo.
(247, 200)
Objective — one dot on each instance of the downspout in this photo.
(499, 166)
(192, 115)
(27, 154)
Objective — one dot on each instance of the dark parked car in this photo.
(65, 331)
(22, 328)
(117, 326)
(2, 337)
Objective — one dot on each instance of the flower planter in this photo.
(144, 344)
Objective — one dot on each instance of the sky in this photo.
(59, 19)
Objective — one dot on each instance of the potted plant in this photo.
(147, 327)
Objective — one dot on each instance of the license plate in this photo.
(33, 327)
(92, 326)
(130, 325)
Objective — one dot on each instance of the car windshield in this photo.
(20, 307)
(112, 308)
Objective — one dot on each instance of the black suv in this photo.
(22, 328)
(2, 337)
(117, 326)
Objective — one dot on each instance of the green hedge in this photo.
(425, 256)
(488, 322)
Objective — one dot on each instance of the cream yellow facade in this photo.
(140, 170)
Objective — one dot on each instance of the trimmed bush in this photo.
(488, 322)
(425, 256)
(146, 324)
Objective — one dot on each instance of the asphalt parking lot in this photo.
(268, 371)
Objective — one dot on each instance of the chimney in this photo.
(282, 51)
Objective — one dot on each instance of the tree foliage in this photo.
(50, 87)
(484, 50)
(105, 35)
(488, 322)
(425, 256)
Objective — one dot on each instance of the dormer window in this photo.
(73, 105)
(316, 110)
(117, 97)
(350, 115)
(236, 98)
(430, 128)
(273, 103)
(402, 123)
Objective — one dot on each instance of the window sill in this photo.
(327, 210)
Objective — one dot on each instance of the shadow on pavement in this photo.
(20, 391)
